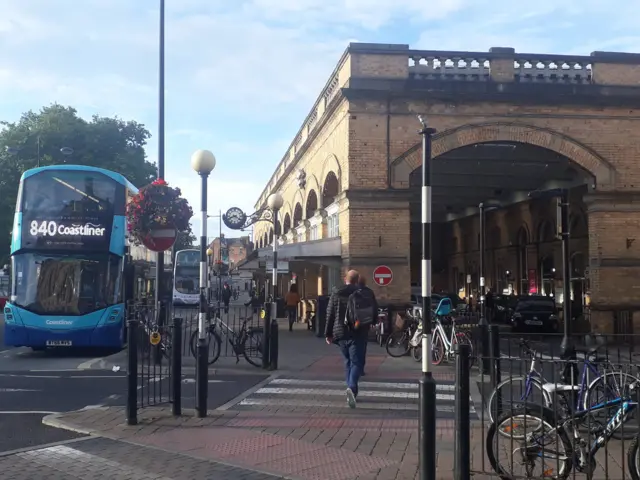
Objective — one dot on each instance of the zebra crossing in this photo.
(374, 396)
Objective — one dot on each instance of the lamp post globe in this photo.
(209, 252)
(203, 162)
(275, 201)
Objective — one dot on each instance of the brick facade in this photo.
(363, 131)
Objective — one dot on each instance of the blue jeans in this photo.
(353, 350)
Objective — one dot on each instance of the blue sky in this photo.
(241, 75)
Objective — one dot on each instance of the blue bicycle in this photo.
(531, 430)
(599, 382)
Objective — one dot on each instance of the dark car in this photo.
(536, 313)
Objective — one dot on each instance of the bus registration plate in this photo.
(59, 343)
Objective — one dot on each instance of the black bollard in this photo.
(462, 468)
(273, 347)
(176, 366)
(132, 372)
(494, 337)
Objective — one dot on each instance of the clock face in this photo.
(235, 218)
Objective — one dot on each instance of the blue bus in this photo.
(68, 249)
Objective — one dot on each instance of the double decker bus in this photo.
(186, 278)
(68, 250)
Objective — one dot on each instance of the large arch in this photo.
(330, 189)
(331, 165)
(286, 224)
(312, 185)
(311, 204)
(298, 215)
(471, 134)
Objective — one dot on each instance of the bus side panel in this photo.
(118, 232)
(16, 234)
(103, 328)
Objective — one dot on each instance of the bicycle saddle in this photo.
(589, 350)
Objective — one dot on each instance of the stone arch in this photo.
(297, 198)
(522, 236)
(330, 189)
(331, 165)
(297, 215)
(546, 231)
(286, 224)
(312, 185)
(311, 204)
(471, 134)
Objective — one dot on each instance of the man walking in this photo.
(349, 316)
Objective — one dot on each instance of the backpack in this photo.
(360, 308)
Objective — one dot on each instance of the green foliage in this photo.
(185, 239)
(103, 142)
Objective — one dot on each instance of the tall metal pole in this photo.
(427, 384)
(202, 365)
(274, 274)
(219, 259)
(566, 347)
(484, 325)
(159, 300)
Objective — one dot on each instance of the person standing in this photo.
(226, 296)
(292, 299)
(362, 285)
(349, 315)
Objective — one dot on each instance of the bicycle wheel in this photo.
(437, 349)
(252, 346)
(633, 458)
(398, 339)
(537, 431)
(607, 387)
(213, 345)
(416, 353)
(514, 393)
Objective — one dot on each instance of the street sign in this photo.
(160, 240)
(382, 275)
(283, 266)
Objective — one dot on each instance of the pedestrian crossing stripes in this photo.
(374, 396)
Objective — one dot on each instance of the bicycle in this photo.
(444, 348)
(237, 340)
(534, 380)
(150, 326)
(405, 332)
(533, 444)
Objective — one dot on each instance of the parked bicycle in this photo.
(406, 328)
(443, 345)
(247, 341)
(148, 319)
(542, 428)
(599, 381)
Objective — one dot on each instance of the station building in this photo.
(508, 124)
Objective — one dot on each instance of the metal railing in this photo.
(548, 414)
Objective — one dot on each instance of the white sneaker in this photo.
(351, 398)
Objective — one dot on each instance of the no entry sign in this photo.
(382, 275)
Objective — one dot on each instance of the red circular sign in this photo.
(382, 275)
(160, 240)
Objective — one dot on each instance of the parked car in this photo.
(535, 313)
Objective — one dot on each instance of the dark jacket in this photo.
(226, 295)
(336, 311)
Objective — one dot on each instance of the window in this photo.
(333, 226)
(313, 233)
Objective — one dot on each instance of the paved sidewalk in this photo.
(297, 446)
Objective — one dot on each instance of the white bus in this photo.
(186, 278)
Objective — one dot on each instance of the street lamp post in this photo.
(427, 384)
(483, 322)
(275, 202)
(209, 260)
(203, 162)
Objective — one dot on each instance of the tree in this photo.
(38, 137)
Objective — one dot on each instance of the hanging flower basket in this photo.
(156, 208)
